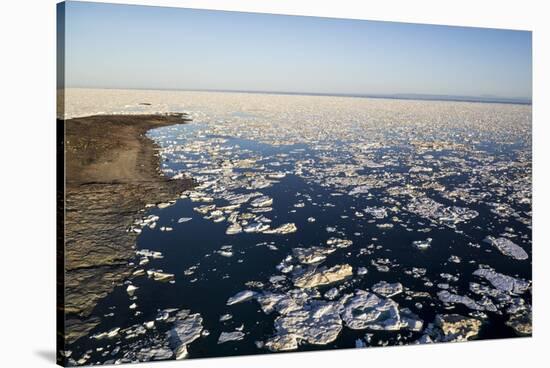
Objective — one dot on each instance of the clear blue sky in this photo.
(124, 46)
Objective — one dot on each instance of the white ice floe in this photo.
(283, 229)
(131, 289)
(507, 247)
(263, 201)
(234, 229)
(503, 282)
(422, 244)
(386, 289)
(311, 255)
(339, 243)
(187, 329)
(366, 310)
(241, 296)
(230, 336)
(450, 298)
(160, 276)
(313, 277)
(317, 323)
(454, 327)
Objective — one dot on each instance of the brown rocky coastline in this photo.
(111, 171)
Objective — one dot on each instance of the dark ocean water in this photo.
(194, 243)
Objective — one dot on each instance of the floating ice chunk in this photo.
(318, 323)
(361, 271)
(507, 247)
(422, 244)
(225, 253)
(311, 219)
(112, 333)
(376, 212)
(234, 229)
(361, 189)
(149, 253)
(165, 204)
(187, 329)
(286, 265)
(263, 201)
(131, 289)
(386, 289)
(282, 343)
(181, 352)
(160, 276)
(381, 264)
(313, 277)
(311, 255)
(420, 169)
(438, 213)
(241, 297)
(454, 259)
(276, 175)
(367, 310)
(277, 278)
(203, 210)
(503, 282)
(331, 293)
(257, 227)
(410, 321)
(270, 302)
(184, 219)
(149, 325)
(339, 243)
(152, 353)
(447, 297)
(454, 327)
(230, 336)
(283, 229)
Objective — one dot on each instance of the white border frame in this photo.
(28, 180)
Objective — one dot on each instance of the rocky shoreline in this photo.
(112, 170)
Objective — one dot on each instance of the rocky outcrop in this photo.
(112, 172)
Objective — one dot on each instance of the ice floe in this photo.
(386, 289)
(230, 336)
(313, 277)
(241, 296)
(507, 247)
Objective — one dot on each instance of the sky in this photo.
(128, 46)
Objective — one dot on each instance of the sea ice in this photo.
(507, 247)
(386, 289)
(230, 336)
(241, 296)
(503, 282)
(313, 277)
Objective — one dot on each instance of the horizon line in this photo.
(396, 96)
